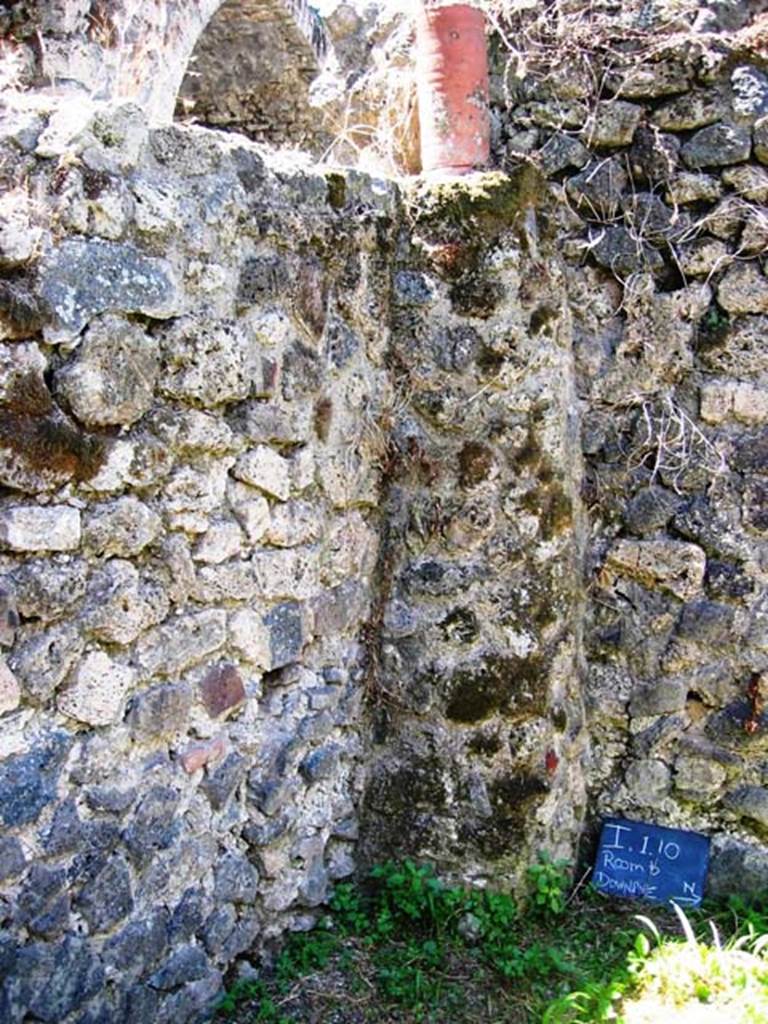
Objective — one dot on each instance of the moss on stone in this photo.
(488, 203)
(497, 684)
(43, 439)
(552, 506)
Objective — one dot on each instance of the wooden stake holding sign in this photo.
(649, 862)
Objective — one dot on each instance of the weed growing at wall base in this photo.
(405, 948)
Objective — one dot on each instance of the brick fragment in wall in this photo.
(197, 755)
(222, 690)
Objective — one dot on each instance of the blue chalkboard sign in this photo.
(651, 862)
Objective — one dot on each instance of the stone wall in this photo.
(654, 140)
(343, 519)
(192, 371)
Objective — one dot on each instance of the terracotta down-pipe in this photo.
(452, 79)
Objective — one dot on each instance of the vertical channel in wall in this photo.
(478, 737)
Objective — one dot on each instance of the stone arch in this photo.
(139, 50)
(252, 69)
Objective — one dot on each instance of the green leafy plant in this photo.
(549, 879)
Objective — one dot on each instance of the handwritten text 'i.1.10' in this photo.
(651, 862)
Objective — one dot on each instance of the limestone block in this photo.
(613, 123)
(302, 469)
(250, 638)
(716, 402)
(703, 257)
(744, 289)
(750, 182)
(725, 219)
(263, 468)
(193, 492)
(698, 778)
(721, 401)
(10, 691)
(111, 377)
(42, 661)
(649, 81)
(192, 431)
(31, 528)
(115, 471)
(749, 802)
(268, 423)
(183, 641)
(648, 781)
(750, 93)
(108, 216)
(251, 509)
(156, 209)
(688, 187)
(717, 146)
(46, 588)
(221, 541)
(742, 352)
(754, 236)
(286, 572)
(19, 237)
(98, 690)
(670, 565)
(692, 110)
(204, 362)
(123, 527)
(750, 404)
(294, 523)
(119, 606)
(84, 278)
(230, 581)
